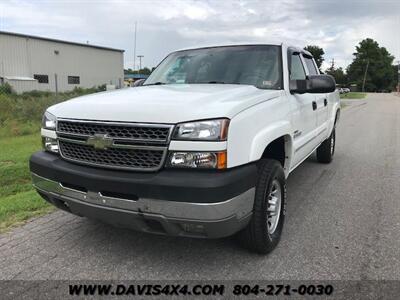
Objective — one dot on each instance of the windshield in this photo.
(259, 66)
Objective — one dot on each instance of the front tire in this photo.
(326, 150)
(264, 231)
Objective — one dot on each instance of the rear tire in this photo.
(264, 231)
(326, 150)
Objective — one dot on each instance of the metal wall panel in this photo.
(26, 56)
(20, 86)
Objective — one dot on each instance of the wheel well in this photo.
(337, 117)
(276, 150)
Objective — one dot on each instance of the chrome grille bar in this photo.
(118, 130)
(129, 146)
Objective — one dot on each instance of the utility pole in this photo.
(398, 76)
(134, 49)
(140, 61)
(332, 64)
(365, 76)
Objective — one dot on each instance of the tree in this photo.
(338, 74)
(372, 64)
(317, 53)
(145, 71)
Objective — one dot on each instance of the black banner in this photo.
(251, 289)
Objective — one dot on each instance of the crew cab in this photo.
(202, 148)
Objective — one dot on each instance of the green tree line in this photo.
(144, 71)
(371, 70)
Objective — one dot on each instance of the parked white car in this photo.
(202, 149)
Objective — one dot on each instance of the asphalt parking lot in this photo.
(343, 222)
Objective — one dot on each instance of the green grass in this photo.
(20, 117)
(353, 95)
(14, 155)
(18, 200)
(17, 209)
(21, 114)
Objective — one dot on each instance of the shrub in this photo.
(36, 94)
(6, 107)
(5, 88)
(22, 114)
(102, 87)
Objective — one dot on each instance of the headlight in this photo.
(49, 121)
(199, 160)
(208, 130)
(50, 144)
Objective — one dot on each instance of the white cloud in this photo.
(196, 13)
(167, 25)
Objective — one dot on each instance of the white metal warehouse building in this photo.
(37, 63)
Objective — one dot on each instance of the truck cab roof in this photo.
(283, 45)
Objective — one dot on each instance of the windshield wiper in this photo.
(156, 83)
(211, 82)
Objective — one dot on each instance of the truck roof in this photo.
(227, 45)
(245, 44)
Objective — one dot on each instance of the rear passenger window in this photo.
(296, 68)
(312, 70)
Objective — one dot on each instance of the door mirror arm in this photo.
(298, 86)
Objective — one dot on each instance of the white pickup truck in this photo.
(202, 149)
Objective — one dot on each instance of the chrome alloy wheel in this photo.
(274, 203)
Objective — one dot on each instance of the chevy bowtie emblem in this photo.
(100, 141)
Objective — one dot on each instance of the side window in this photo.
(41, 78)
(312, 70)
(73, 80)
(296, 68)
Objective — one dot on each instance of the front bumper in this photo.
(171, 202)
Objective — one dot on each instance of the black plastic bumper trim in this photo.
(197, 186)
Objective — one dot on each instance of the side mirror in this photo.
(139, 82)
(321, 84)
(313, 84)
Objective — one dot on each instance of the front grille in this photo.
(113, 157)
(120, 131)
(133, 146)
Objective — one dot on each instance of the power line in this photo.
(134, 49)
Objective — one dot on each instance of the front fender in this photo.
(252, 130)
(266, 136)
(332, 117)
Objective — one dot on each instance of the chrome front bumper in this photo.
(209, 220)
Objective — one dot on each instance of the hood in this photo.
(164, 103)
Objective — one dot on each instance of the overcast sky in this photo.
(163, 26)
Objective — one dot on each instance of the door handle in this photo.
(325, 102)
(314, 105)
